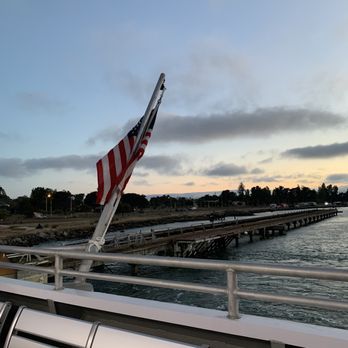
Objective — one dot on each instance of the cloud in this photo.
(261, 122)
(318, 151)
(337, 178)
(266, 160)
(224, 169)
(107, 135)
(40, 103)
(190, 183)
(17, 168)
(257, 171)
(12, 168)
(235, 124)
(140, 174)
(141, 183)
(162, 164)
(65, 162)
(301, 178)
(229, 169)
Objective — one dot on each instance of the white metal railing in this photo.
(231, 269)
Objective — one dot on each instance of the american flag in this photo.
(115, 168)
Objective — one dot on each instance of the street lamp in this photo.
(49, 196)
(71, 200)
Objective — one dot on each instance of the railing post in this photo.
(233, 302)
(58, 267)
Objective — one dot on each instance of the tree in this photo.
(241, 192)
(260, 196)
(38, 198)
(332, 192)
(61, 201)
(208, 201)
(279, 195)
(78, 201)
(322, 193)
(308, 195)
(135, 201)
(4, 199)
(183, 202)
(91, 200)
(2, 192)
(227, 197)
(161, 201)
(23, 205)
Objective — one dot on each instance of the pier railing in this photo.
(232, 269)
(142, 240)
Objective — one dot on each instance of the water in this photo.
(322, 244)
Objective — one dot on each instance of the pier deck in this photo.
(206, 238)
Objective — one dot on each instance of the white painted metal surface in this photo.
(106, 335)
(55, 327)
(21, 342)
(292, 333)
(4, 310)
(45, 325)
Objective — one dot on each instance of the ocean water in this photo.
(322, 244)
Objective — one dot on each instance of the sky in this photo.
(256, 92)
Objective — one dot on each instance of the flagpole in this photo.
(97, 240)
(149, 108)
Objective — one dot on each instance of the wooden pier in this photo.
(201, 240)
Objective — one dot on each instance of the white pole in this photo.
(97, 240)
(149, 108)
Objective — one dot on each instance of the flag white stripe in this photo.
(118, 163)
(128, 173)
(124, 158)
(127, 148)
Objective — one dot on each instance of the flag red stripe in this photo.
(112, 167)
(100, 181)
(115, 169)
(125, 184)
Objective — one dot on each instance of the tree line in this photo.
(48, 201)
(282, 195)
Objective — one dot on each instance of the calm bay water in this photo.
(322, 244)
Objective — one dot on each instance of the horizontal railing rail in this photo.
(232, 269)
